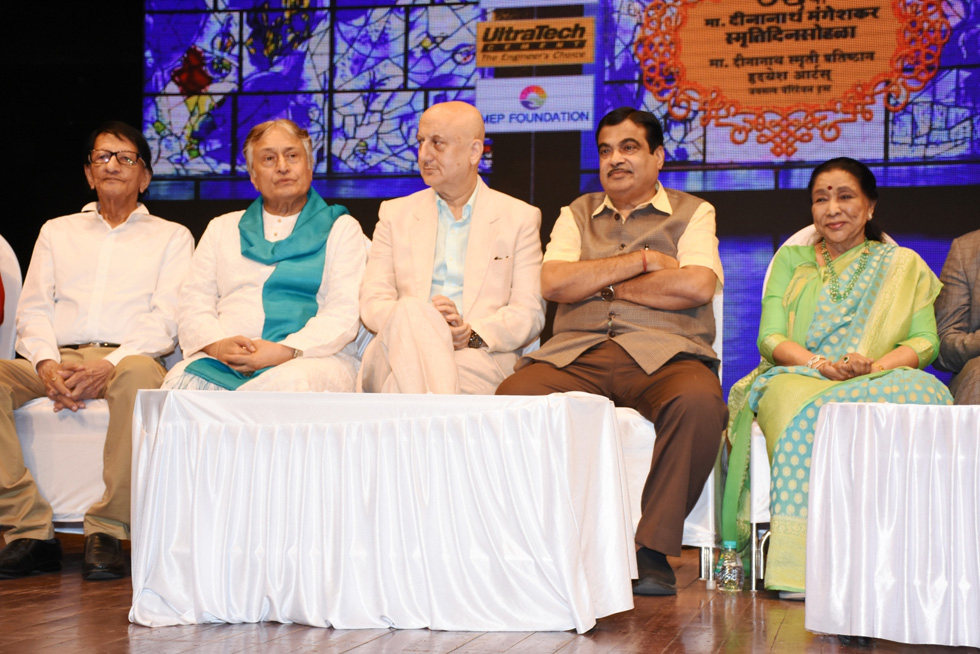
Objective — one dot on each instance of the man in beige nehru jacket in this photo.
(633, 271)
(452, 287)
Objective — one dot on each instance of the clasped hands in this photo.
(246, 355)
(460, 330)
(852, 364)
(68, 385)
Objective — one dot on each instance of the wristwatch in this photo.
(475, 341)
(608, 294)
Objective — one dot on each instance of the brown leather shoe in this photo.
(103, 558)
(26, 556)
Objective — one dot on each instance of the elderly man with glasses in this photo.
(270, 303)
(97, 310)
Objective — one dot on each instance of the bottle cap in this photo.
(728, 544)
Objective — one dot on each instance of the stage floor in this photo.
(61, 613)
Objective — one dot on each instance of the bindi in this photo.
(830, 188)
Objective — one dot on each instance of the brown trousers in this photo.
(21, 504)
(683, 401)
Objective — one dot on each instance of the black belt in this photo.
(82, 346)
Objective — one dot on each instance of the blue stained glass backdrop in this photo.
(358, 73)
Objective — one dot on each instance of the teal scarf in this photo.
(289, 295)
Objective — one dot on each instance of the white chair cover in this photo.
(638, 437)
(63, 451)
(12, 282)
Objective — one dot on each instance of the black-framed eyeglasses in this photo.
(102, 157)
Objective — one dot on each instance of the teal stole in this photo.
(289, 295)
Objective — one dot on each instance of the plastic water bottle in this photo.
(730, 574)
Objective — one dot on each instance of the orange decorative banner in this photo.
(786, 71)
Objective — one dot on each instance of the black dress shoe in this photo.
(103, 558)
(26, 556)
(656, 577)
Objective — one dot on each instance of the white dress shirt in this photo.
(90, 282)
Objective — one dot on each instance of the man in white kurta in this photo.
(452, 287)
(247, 321)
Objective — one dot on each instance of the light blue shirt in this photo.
(452, 237)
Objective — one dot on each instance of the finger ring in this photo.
(846, 358)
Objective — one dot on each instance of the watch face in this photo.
(608, 294)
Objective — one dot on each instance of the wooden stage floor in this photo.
(61, 613)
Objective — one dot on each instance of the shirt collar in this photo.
(443, 208)
(140, 210)
(659, 201)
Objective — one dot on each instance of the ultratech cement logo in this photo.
(545, 42)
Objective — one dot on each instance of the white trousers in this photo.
(336, 374)
(414, 353)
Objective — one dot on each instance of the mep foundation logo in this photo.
(533, 97)
(535, 42)
(557, 103)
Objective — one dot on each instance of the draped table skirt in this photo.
(373, 511)
(893, 538)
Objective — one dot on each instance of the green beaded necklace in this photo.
(835, 293)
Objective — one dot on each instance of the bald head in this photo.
(461, 117)
(450, 139)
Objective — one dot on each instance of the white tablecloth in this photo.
(893, 538)
(367, 511)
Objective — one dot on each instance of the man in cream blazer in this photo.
(452, 288)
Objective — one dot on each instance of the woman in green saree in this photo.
(847, 319)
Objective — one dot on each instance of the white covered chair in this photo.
(639, 437)
(12, 282)
(63, 451)
(759, 467)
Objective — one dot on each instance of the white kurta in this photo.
(222, 297)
